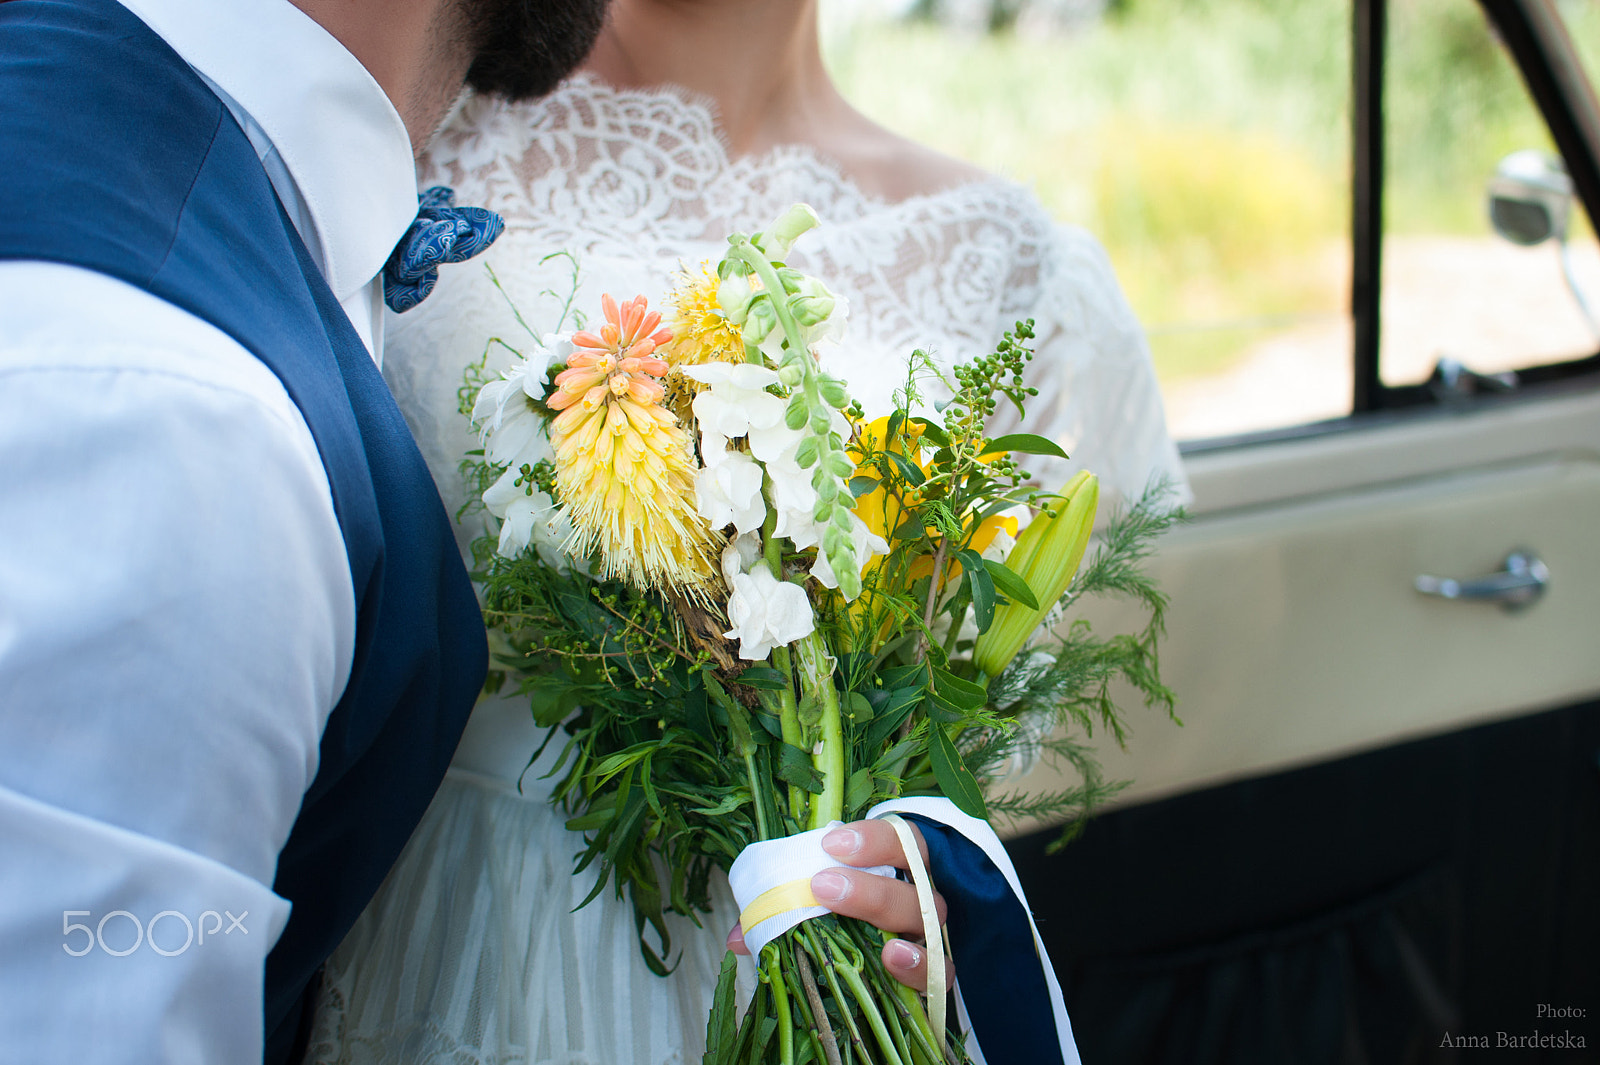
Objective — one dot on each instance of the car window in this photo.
(1206, 143)
(1488, 260)
(1582, 21)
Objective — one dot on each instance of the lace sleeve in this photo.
(1098, 396)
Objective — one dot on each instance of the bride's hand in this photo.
(888, 904)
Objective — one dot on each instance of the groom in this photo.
(237, 645)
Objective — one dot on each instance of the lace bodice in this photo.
(637, 185)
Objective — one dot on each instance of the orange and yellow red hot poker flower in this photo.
(624, 471)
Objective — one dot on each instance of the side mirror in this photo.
(1530, 198)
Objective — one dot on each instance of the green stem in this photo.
(776, 294)
(793, 732)
(825, 961)
(780, 1001)
(816, 680)
(762, 825)
(851, 971)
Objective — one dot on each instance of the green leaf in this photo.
(722, 1028)
(955, 779)
(901, 703)
(697, 712)
(910, 529)
(588, 821)
(980, 586)
(1026, 443)
(1011, 584)
(860, 486)
(932, 432)
(771, 722)
(729, 804)
(764, 678)
(551, 699)
(908, 470)
(963, 693)
(794, 767)
(859, 791)
(857, 708)
(913, 676)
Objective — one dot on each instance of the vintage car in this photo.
(1376, 836)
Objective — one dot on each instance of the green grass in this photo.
(1206, 142)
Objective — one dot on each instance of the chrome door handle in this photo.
(1519, 583)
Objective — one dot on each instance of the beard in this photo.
(523, 48)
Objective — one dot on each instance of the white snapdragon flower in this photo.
(728, 491)
(766, 613)
(527, 517)
(794, 499)
(512, 432)
(864, 544)
(740, 554)
(738, 400)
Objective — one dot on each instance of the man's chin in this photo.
(525, 47)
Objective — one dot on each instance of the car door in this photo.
(1374, 836)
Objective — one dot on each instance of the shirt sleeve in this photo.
(176, 623)
(1098, 395)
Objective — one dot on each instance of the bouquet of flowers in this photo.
(751, 612)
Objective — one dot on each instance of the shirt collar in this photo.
(333, 126)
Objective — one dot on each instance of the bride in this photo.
(688, 121)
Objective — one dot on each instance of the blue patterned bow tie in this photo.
(442, 233)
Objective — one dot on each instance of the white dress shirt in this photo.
(176, 611)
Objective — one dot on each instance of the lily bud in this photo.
(1047, 556)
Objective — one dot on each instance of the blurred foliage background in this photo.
(1205, 142)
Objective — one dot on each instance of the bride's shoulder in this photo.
(891, 168)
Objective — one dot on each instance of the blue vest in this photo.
(116, 157)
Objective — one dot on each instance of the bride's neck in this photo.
(758, 60)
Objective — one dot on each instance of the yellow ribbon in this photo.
(794, 895)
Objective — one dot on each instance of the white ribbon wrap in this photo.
(771, 864)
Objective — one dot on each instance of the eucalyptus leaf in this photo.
(858, 793)
(980, 586)
(1010, 584)
(963, 693)
(908, 470)
(955, 779)
(932, 432)
(1026, 443)
(764, 678)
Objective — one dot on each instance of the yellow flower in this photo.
(624, 472)
(883, 512)
(701, 333)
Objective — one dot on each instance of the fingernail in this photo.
(842, 842)
(830, 887)
(902, 955)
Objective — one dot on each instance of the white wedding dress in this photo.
(472, 952)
